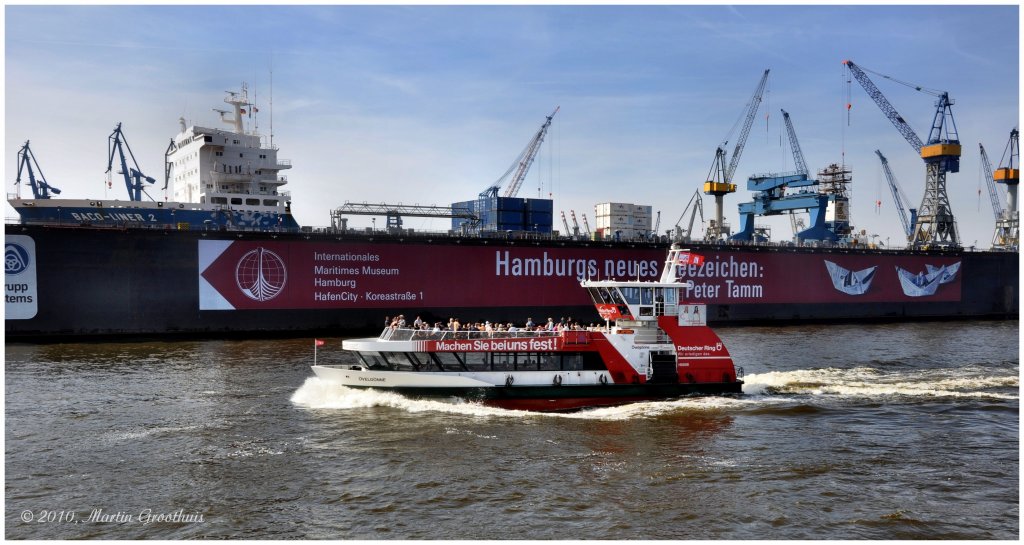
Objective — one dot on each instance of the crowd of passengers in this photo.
(455, 326)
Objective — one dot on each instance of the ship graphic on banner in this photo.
(851, 282)
(925, 283)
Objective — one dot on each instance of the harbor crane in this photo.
(1002, 230)
(935, 224)
(41, 189)
(586, 225)
(575, 224)
(657, 225)
(719, 179)
(899, 197)
(566, 224)
(133, 177)
(516, 173)
(694, 206)
(798, 162)
(1010, 175)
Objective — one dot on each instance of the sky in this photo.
(431, 104)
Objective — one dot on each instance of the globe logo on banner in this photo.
(15, 259)
(261, 274)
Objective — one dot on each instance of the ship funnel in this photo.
(181, 124)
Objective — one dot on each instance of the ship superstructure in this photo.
(228, 167)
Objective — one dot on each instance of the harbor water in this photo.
(893, 431)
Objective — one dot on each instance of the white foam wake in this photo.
(320, 394)
(870, 382)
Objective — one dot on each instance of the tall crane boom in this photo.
(935, 223)
(883, 103)
(40, 188)
(798, 154)
(719, 180)
(755, 102)
(993, 193)
(133, 177)
(898, 197)
(516, 173)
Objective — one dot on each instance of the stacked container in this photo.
(508, 214)
(628, 220)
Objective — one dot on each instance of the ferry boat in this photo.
(222, 179)
(653, 345)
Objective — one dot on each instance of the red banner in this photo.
(269, 274)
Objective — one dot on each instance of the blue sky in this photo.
(429, 105)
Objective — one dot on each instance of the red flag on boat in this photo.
(318, 342)
(690, 259)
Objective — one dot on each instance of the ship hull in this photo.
(567, 398)
(150, 214)
(96, 282)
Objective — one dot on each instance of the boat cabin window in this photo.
(481, 361)
(269, 202)
(252, 202)
(218, 200)
(373, 360)
(638, 296)
(236, 200)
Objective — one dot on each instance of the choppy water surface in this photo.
(844, 432)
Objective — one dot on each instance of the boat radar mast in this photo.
(240, 102)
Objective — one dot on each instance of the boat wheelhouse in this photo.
(653, 345)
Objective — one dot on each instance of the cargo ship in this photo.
(226, 257)
(654, 345)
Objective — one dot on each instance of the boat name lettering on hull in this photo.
(371, 379)
(113, 216)
(698, 350)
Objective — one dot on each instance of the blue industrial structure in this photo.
(826, 207)
(507, 214)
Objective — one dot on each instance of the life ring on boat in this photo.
(558, 380)
(603, 379)
(509, 380)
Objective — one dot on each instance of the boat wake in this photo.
(873, 383)
(764, 390)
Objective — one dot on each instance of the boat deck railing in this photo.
(393, 334)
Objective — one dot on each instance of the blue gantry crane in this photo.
(133, 177)
(935, 224)
(41, 189)
(899, 197)
(827, 207)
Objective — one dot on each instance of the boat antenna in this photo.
(271, 102)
